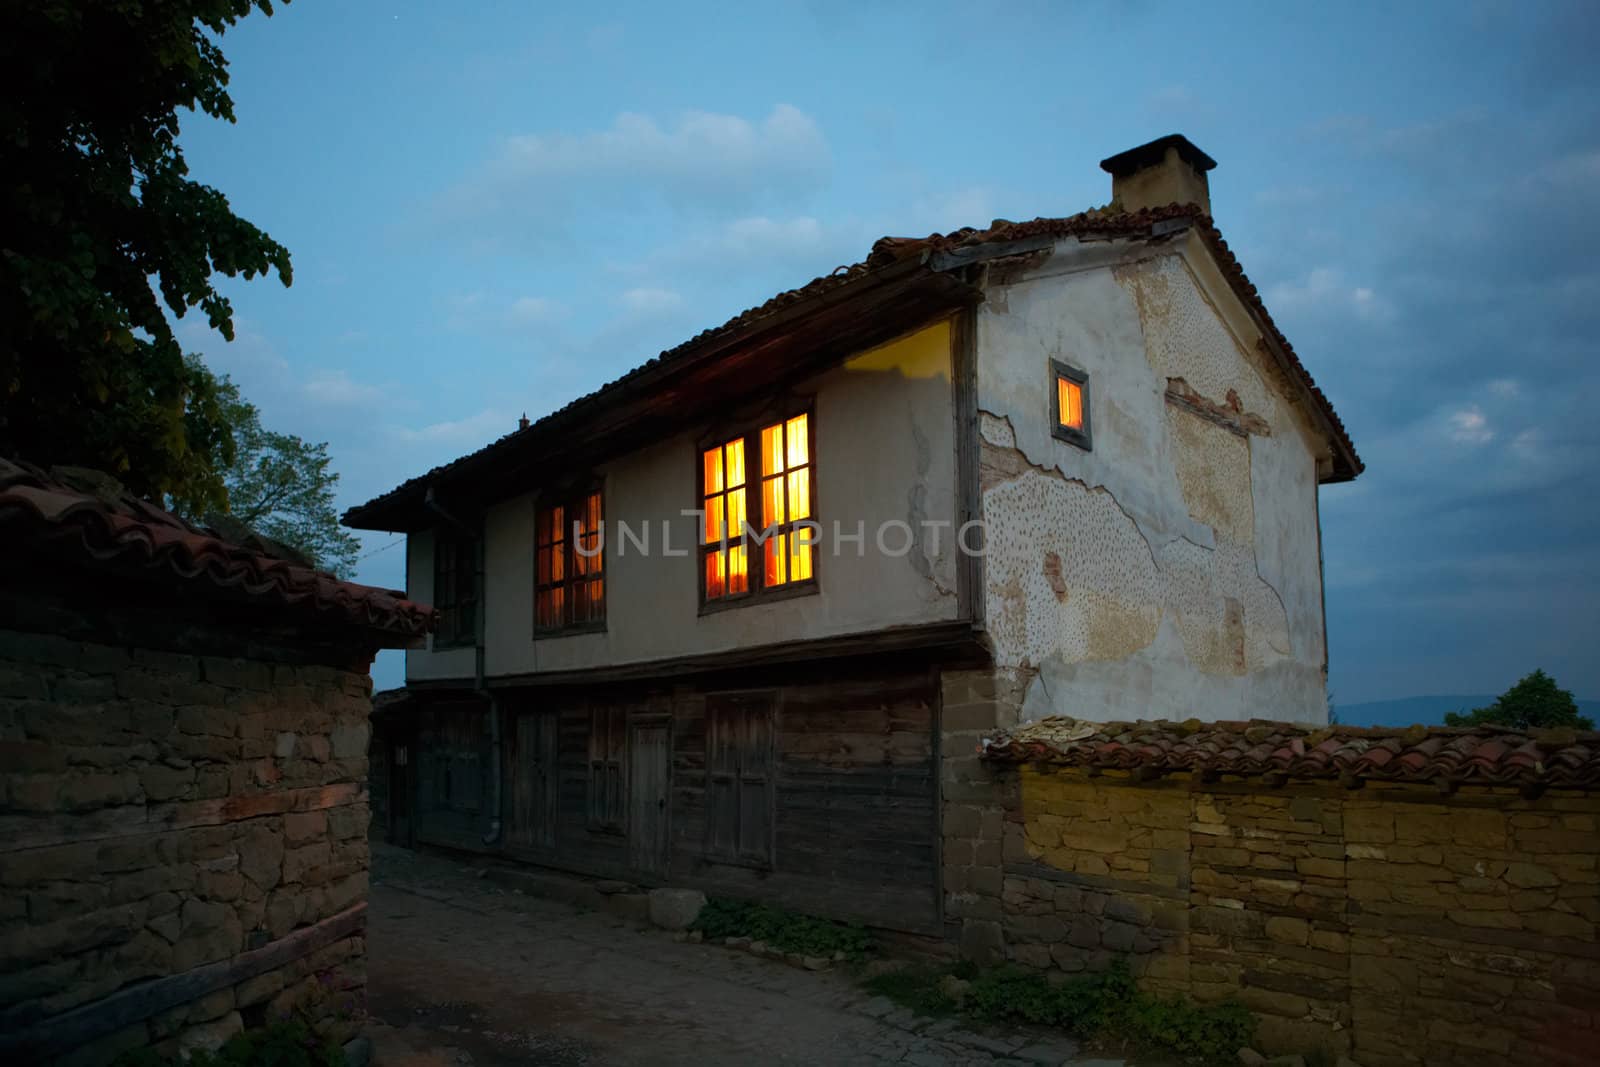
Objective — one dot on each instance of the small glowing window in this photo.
(1069, 400)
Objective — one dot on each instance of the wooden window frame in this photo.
(743, 777)
(451, 632)
(569, 501)
(749, 431)
(1059, 372)
(608, 753)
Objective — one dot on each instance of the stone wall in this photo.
(172, 815)
(1394, 924)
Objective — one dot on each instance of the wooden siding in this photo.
(850, 785)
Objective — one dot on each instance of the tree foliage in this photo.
(1536, 702)
(103, 229)
(273, 484)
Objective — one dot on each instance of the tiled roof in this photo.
(889, 252)
(86, 519)
(1482, 755)
(814, 288)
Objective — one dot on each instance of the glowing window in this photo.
(745, 554)
(569, 565)
(1069, 404)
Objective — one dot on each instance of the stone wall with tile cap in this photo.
(1394, 923)
(165, 814)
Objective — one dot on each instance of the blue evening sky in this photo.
(494, 208)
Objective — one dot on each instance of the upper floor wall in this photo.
(1171, 568)
(883, 427)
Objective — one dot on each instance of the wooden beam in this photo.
(125, 1007)
(21, 832)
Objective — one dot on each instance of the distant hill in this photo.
(1429, 710)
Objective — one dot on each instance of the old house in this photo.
(183, 761)
(740, 619)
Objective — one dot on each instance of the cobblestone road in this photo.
(465, 972)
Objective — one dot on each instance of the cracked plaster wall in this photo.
(1173, 570)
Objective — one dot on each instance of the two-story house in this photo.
(741, 618)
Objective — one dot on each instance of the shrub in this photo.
(281, 1044)
(1107, 1004)
(784, 930)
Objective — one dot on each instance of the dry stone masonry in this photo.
(1441, 916)
(167, 812)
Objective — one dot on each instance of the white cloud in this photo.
(1505, 387)
(1325, 290)
(530, 309)
(699, 143)
(1469, 426)
(470, 432)
(646, 300)
(335, 388)
(702, 158)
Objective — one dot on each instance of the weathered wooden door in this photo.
(534, 782)
(649, 785)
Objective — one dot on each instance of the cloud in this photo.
(335, 388)
(468, 433)
(646, 300)
(700, 160)
(480, 312)
(1469, 426)
(1324, 290)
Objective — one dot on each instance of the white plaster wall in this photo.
(885, 450)
(1172, 571)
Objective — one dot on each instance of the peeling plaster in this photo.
(1170, 572)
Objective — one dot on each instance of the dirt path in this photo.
(464, 972)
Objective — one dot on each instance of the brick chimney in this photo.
(1168, 170)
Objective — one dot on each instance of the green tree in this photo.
(275, 485)
(102, 233)
(1536, 702)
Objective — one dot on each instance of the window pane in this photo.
(1069, 403)
(713, 461)
(735, 452)
(542, 603)
(597, 599)
(738, 570)
(714, 519)
(558, 524)
(772, 502)
(777, 570)
(558, 606)
(736, 514)
(772, 449)
(558, 562)
(541, 566)
(594, 512)
(716, 579)
(799, 495)
(799, 445)
(800, 554)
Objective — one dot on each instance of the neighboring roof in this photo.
(896, 254)
(1482, 755)
(1148, 155)
(86, 519)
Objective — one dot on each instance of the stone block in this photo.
(1288, 930)
(349, 741)
(307, 864)
(983, 942)
(675, 909)
(302, 827)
